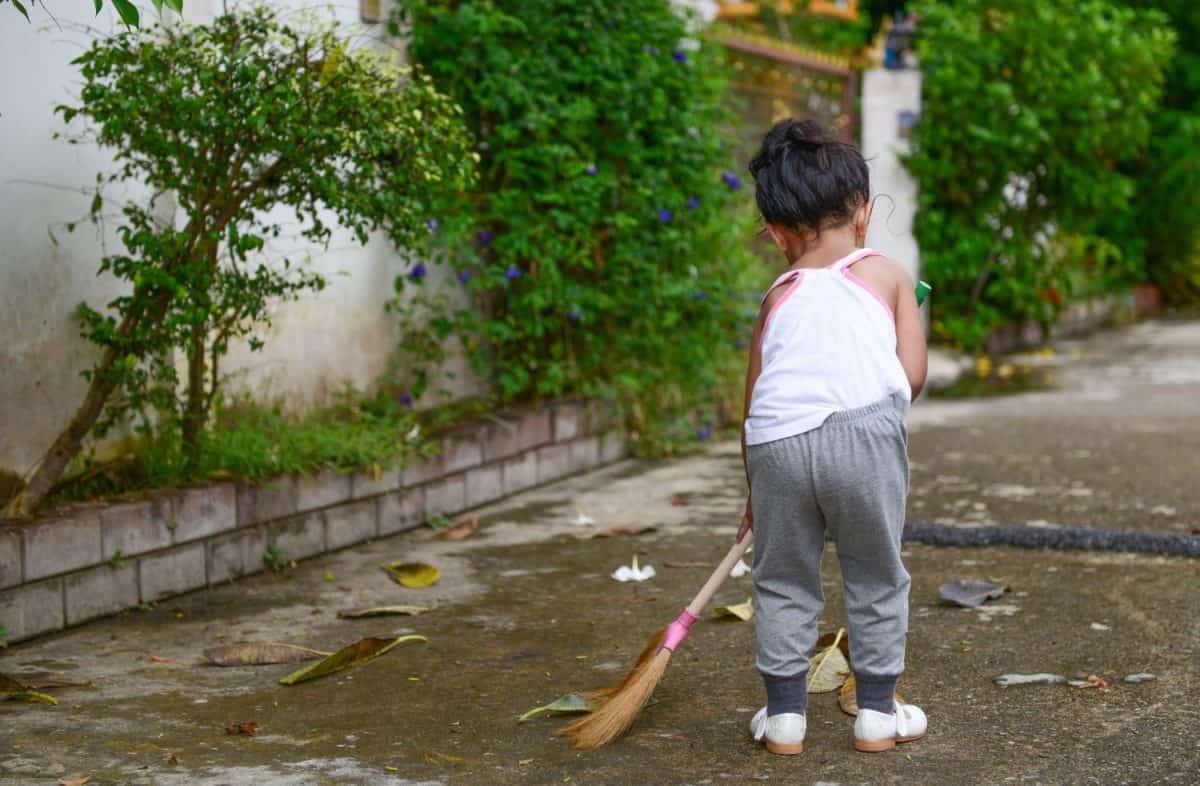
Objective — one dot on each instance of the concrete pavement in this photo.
(526, 612)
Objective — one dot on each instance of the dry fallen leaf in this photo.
(74, 781)
(12, 689)
(571, 703)
(829, 667)
(679, 501)
(380, 611)
(695, 564)
(414, 575)
(460, 531)
(353, 655)
(40, 683)
(157, 659)
(260, 653)
(741, 611)
(1092, 681)
(249, 727)
(616, 529)
(848, 697)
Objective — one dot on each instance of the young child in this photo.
(838, 353)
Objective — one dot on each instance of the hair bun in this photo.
(805, 134)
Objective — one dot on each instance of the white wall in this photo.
(886, 95)
(315, 346)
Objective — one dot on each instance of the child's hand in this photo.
(747, 522)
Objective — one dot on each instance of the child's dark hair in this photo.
(804, 177)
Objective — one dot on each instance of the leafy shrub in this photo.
(1164, 222)
(1028, 111)
(256, 126)
(600, 249)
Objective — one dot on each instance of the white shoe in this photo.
(782, 733)
(879, 731)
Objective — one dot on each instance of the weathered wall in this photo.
(889, 99)
(315, 346)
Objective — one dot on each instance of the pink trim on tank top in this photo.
(845, 264)
(850, 275)
(787, 293)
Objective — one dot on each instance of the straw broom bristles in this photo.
(622, 702)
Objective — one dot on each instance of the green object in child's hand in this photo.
(923, 290)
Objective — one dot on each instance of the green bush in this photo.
(1028, 112)
(600, 248)
(255, 127)
(1164, 223)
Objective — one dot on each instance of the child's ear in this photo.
(862, 220)
(777, 236)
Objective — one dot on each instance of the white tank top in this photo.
(828, 345)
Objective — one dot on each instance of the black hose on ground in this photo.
(1055, 538)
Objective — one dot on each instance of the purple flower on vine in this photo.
(591, 169)
(700, 295)
(575, 314)
(484, 238)
(406, 399)
(733, 181)
(693, 203)
(703, 433)
(512, 273)
(680, 56)
(464, 276)
(433, 224)
(650, 50)
(665, 215)
(418, 272)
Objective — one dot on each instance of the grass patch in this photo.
(254, 443)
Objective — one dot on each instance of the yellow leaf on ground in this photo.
(829, 668)
(414, 575)
(848, 698)
(741, 611)
(73, 781)
(260, 653)
(356, 654)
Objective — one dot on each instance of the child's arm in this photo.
(910, 335)
(753, 369)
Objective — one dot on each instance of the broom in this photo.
(623, 701)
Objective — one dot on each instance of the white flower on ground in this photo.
(633, 572)
(583, 519)
(740, 569)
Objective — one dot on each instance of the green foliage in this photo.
(1164, 222)
(127, 11)
(274, 558)
(117, 561)
(256, 129)
(256, 443)
(1027, 113)
(600, 253)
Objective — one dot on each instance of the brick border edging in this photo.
(94, 559)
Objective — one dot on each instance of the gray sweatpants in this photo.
(849, 477)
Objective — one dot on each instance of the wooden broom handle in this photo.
(696, 607)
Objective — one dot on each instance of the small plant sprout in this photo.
(274, 558)
(117, 561)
